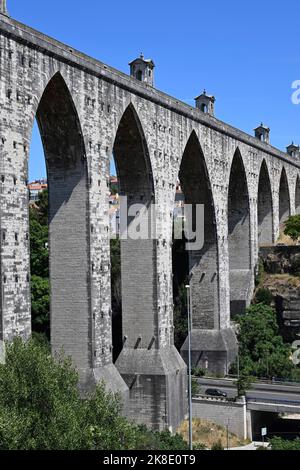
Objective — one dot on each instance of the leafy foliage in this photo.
(39, 263)
(277, 443)
(180, 317)
(195, 387)
(114, 189)
(262, 351)
(40, 304)
(264, 296)
(243, 384)
(292, 227)
(40, 408)
(217, 446)
(39, 258)
(198, 372)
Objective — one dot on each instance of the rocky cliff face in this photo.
(282, 279)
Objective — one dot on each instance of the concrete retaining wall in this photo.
(231, 414)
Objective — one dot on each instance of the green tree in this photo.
(195, 387)
(41, 409)
(39, 265)
(243, 384)
(277, 443)
(39, 254)
(262, 351)
(180, 317)
(264, 296)
(42, 207)
(292, 227)
(40, 304)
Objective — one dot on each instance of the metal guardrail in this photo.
(273, 401)
(276, 381)
(211, 398)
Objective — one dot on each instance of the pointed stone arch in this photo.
(133, 168)
(66, 165)
(195, 183)
(284, 198)
(239, 245)
(264, 207)
(137, 257)
(212, 348)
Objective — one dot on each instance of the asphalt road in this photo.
(259, 391)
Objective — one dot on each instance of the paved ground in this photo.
(259, 391)
(252, 446)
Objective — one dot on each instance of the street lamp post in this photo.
(227, 433)
(188, 290)
(238, 362)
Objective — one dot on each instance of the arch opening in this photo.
(198, 265)
(297, 197)
(265, 208)
(66, 167)
(284, 199)
(238, 237)
(133, 320)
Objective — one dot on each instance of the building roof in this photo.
(142, 59)
(262, 127)
(205, 95)
(38, 185)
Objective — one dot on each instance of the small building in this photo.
(35, 188)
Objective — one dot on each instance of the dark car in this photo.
(214, 392)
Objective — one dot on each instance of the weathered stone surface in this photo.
(281, 264)
(86, 112)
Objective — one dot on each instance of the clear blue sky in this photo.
(245, 53)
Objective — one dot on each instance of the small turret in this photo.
(293, 150)
(206, 103)
(262, 133)
(143, 69)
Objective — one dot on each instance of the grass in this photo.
(275, 282)
(209, 433)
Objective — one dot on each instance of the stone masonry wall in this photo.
(231, 414)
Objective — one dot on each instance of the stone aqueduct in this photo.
(86, 112)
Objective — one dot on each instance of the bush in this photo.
(243, 384)
(40, 305)
(292, 227)
(264, 296)
(195, 388)
(217, 446)
(198, 372)
(262, 351)
(199, 446)
(40, 408)
(280, 444)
